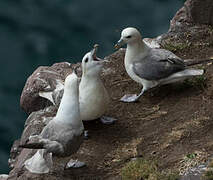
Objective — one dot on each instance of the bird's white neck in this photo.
(68, 111)
(91, 74)
(134, 50)
(96, 78)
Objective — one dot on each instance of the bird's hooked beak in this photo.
(75, 70)
(119, 44)
(93, 53)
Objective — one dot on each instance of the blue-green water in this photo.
(41, 32)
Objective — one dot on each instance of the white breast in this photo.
(130, 72)
(93, 98)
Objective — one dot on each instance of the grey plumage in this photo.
(56, 138)
(63, 135)
(157, 64)
(152, 67)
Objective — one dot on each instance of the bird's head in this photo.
(129, 35)
(72, 81)
(91, 64)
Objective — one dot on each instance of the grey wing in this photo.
(159, 54)
(57, 132)
(49, 130)
(162, 54)
(152, 69)
(63, 140)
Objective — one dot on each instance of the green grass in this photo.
(191, 156)
(142, 169)
(198, 82)
(176, 46)
(211, 164)
(208, 175)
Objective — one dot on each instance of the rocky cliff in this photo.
(167, 124)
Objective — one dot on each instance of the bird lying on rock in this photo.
(152, 67)
(63, 135)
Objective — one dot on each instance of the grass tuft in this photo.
(208, 175)
(142, 169)
(198, 82)
(176, 47)
(211, 164)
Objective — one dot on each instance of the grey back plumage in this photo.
(63, 134)
(158, 64)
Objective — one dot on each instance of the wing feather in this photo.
(158, 64)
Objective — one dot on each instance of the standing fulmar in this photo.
(152, 67)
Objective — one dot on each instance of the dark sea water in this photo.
(42, 32)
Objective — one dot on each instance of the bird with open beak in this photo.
(93, 96)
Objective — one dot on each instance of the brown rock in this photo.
(110, 147)
(39, 81)
(33, 125)
(201, 11)
(43, 79)
(193, 12)
(14, 152)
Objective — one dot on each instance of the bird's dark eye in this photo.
(128, 37)
(86, 60)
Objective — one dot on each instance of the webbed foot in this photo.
(75, 164)
(86, 135)
(107, 120)
(130, 98)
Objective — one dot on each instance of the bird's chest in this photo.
(94, 101)
(92, 93)
(130, 58)
(131, 73)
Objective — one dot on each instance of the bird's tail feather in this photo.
(34, 142)
(189, 72)
(191, 62)
(37, 142)
(182, 75)
(32, 146)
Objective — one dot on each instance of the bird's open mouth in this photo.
(94, 50)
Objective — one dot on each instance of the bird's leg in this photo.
(86, 134)
(132, 97)
(107, 120)
(74, 164)
(104, 120)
